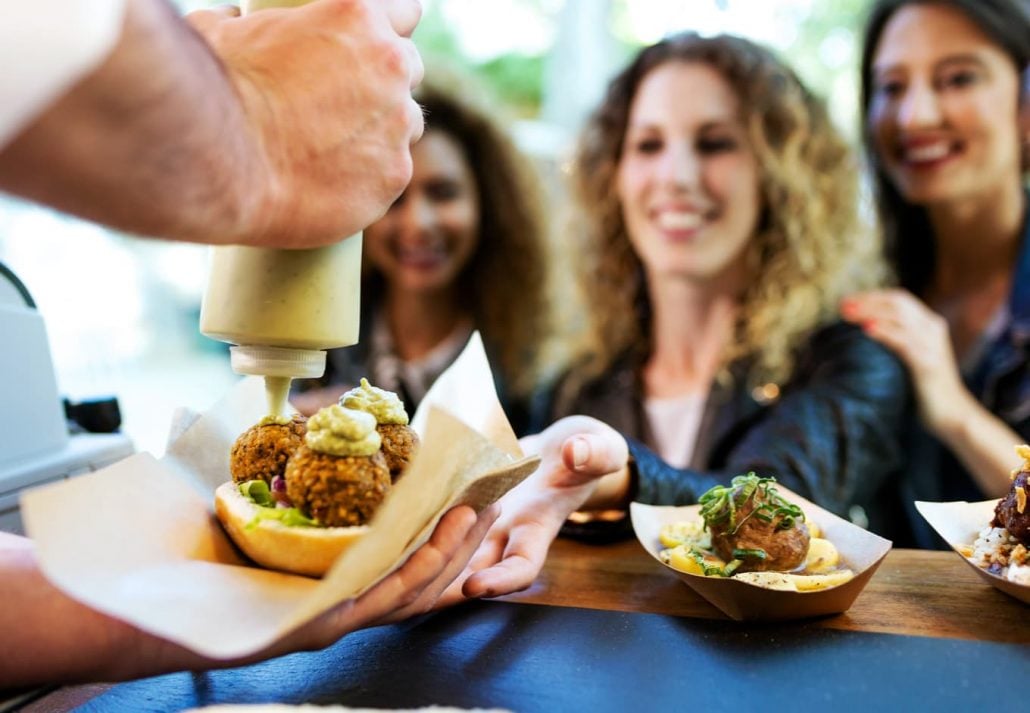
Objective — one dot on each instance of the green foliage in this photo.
(517, 80)
(826, 52)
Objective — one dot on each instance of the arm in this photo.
(239, 136)
(982, 442)
(920, 338)
(90, 646)
(833, 438)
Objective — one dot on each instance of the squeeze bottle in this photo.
(282, 308)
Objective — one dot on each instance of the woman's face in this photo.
(944, 114)
(429, 234)
(687, 179)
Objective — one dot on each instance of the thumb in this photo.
(594, 455)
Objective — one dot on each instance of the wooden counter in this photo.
(605, 627)
(914, 592)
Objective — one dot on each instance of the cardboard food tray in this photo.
(860, 550)
(139, 540)
(959, 523)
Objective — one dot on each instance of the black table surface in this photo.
(526, 657)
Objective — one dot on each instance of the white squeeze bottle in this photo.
(282, 308)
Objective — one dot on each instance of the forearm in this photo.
(48, 637)
(984, 444)
(156, 128)
(51, 638)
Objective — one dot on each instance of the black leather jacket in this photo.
(832, 435)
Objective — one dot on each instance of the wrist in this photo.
(953, 421)
(255, 201)
(611, 491)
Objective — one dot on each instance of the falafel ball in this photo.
(262, 451)
(338, 491)
(399, 445)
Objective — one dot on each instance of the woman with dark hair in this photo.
(463, 248)
(719, 234)
(945, 128)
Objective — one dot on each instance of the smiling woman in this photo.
(947, 130)
(718, 231)
(713, 270)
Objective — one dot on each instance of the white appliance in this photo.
(35, 445)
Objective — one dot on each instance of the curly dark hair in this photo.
(808, 250)
(504, 283)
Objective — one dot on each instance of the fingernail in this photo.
(580, 452)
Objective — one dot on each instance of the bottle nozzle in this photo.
(277, 361)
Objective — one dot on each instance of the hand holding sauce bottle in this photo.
(282, 308)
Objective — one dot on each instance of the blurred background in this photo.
(122, 313)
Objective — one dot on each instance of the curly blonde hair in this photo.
(808, 249)
(504, 283)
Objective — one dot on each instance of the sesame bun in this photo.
(301, 550)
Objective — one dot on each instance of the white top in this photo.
(46, 46)
(674, 424)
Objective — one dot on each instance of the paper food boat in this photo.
(860, 550)
(959, 523)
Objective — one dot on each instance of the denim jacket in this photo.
(831, 435)
(1001, 382)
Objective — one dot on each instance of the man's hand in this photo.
(286, 128)
(411, 590)
(583, 463)
(90, 646)
(326, 94)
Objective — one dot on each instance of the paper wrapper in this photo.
(139, 540)
(959, 523)
(860, 550)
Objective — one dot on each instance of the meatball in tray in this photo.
(759, 552)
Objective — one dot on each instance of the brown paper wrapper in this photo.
(860, 550)
(139, 540)
(959, 523)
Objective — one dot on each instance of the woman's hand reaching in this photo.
(584, 464)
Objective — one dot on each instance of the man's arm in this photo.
(285, 128)
(51, 638)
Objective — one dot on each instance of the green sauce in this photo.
(340, 431)
(384, 405)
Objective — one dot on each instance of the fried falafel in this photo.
(263, 450)
(338, 491)
(339, 476)
(399, 440)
